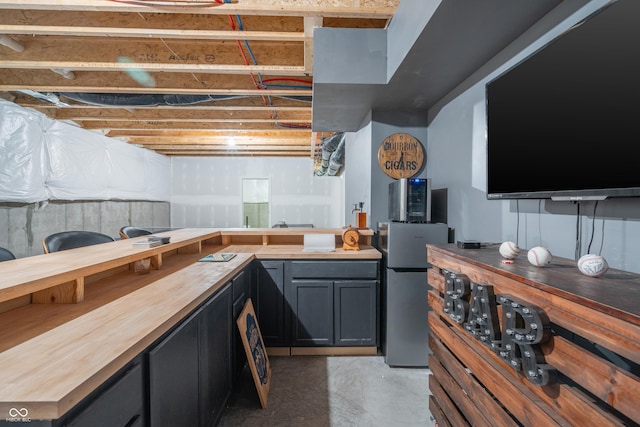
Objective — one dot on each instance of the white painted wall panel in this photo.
(207, 192)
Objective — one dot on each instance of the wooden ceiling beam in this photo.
(247, 133)
(158, 21)
(177, 113)
(331, 8)
(139, 53)
(178, 47)
(90, 123)
(145, 33)
(151, 125)
(180, 142)
(84, 110)
(139, 67)
(310, 23)
(233, 153)
(226, 147)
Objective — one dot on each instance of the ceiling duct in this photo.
(332, 155)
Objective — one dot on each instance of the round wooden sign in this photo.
(400, 155)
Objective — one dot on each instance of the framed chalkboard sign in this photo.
(256, 353)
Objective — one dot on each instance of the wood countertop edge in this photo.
(61, 271)
(298, 231)
(63, 394)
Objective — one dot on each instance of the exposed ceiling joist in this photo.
(248, 66)
(380, 9)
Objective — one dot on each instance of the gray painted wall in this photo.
(23, 226)
(457, 161)
(357, 172)
(364, 180)
(385, 123)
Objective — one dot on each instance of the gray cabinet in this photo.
(312, 307)
(173, 377)
(271, 308)
(118, 402)
(356, 312)
(241, 291)
(215, 356)
(333, 303)
(190, 369)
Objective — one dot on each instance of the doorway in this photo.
(255, 202)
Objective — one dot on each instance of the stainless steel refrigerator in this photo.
(404, 305)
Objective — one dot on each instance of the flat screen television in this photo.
(564, 123)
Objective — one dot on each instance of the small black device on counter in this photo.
(468, 244)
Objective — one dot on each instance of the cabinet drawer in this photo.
(334, 269)
(119, 405)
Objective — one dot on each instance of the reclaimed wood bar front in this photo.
(55, 351)
(515, 344)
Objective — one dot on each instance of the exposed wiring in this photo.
(290, 86)
(266, 100)
(593, 227)
(291, 125)
(174, 3)
(601, 237)
(308, 84)
(576, 254)
(517, 222)
(540, 222)
(260, 83)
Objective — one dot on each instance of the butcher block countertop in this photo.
(55, 353)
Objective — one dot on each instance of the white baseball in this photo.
(539, 256)
(592, 265)
(509, 250)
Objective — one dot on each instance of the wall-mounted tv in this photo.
(564, 123)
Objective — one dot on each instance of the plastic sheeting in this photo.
(43, 159)
(23, 163)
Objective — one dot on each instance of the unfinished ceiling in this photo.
(198, 77)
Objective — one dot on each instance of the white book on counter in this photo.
(147, 244)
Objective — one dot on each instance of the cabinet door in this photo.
(356, 312)
(270, 306)
(312, 305)
(215, 356)
(121, 403)
(241, 286)
(173, 378)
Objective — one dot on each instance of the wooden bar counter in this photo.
(97, 314)
(514, 344)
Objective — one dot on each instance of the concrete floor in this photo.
(318, 391)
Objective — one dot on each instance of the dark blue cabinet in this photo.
(356, 311)
(216, 329)
(173, 377)
(118, 402)
(190, 371)
(274, 314)
(312, 305)
(241, 292)
(333, 303)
